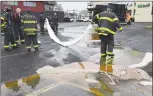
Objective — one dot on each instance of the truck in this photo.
(119, 9)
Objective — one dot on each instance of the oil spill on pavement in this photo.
(45, 84)
(25, 64)
(59, 83)
(126, 55)
(49, 84)
(28, 67)
(18, 63)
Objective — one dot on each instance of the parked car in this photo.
(86, 19)
(67, 19)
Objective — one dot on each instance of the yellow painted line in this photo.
(92, 90)
(96, 92)
(49, 87)
(82, 66)
(43, 90)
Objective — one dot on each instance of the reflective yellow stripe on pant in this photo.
(13, 45)
(28, 47)
(35, 46)
(6, 46)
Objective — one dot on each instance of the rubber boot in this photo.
(103, 63)
(28, 50)
(36, 49)
(14, 47)
(8, 49)
(109, 68)
(103, 67)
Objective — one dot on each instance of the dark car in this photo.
(67, 19)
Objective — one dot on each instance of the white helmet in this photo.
(18, 10)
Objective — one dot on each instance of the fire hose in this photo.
(68, 43)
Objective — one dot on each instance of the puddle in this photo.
(46, 83)
(75, 79)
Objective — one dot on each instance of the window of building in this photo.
(31, 4)
(134, 4)
(134, 12)
(152, 9)
(10, 2)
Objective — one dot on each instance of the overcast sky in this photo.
(73, 5)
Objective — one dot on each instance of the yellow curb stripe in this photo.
(92, 90)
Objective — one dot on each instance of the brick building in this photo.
(36, 7)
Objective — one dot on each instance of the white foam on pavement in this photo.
(59, 55)
(144, 62)
(146, 83)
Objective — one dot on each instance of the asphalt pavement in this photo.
(19, 63)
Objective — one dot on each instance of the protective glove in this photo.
(121, 29)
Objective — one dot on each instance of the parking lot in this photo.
(135, 40)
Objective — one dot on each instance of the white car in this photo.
(86, 20)
(72, 20)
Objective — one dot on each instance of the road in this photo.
(19, 63)
(30, 62)
(135, 37)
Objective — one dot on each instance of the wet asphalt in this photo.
(19, 63)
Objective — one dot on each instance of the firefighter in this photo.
(3, 24)
(19, 35)
(108, 23)
(128, 18)
(30, 30)
(9, 31)
(55, 23)
(49, 20)
(42, 22)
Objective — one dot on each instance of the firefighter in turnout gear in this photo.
(19, 35)
(30, 30)
(108, 23)
(3, 25)
(55, 23)
(42, 22)
(9, 31)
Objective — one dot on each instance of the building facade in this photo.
(36, 7)
(51, 7)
